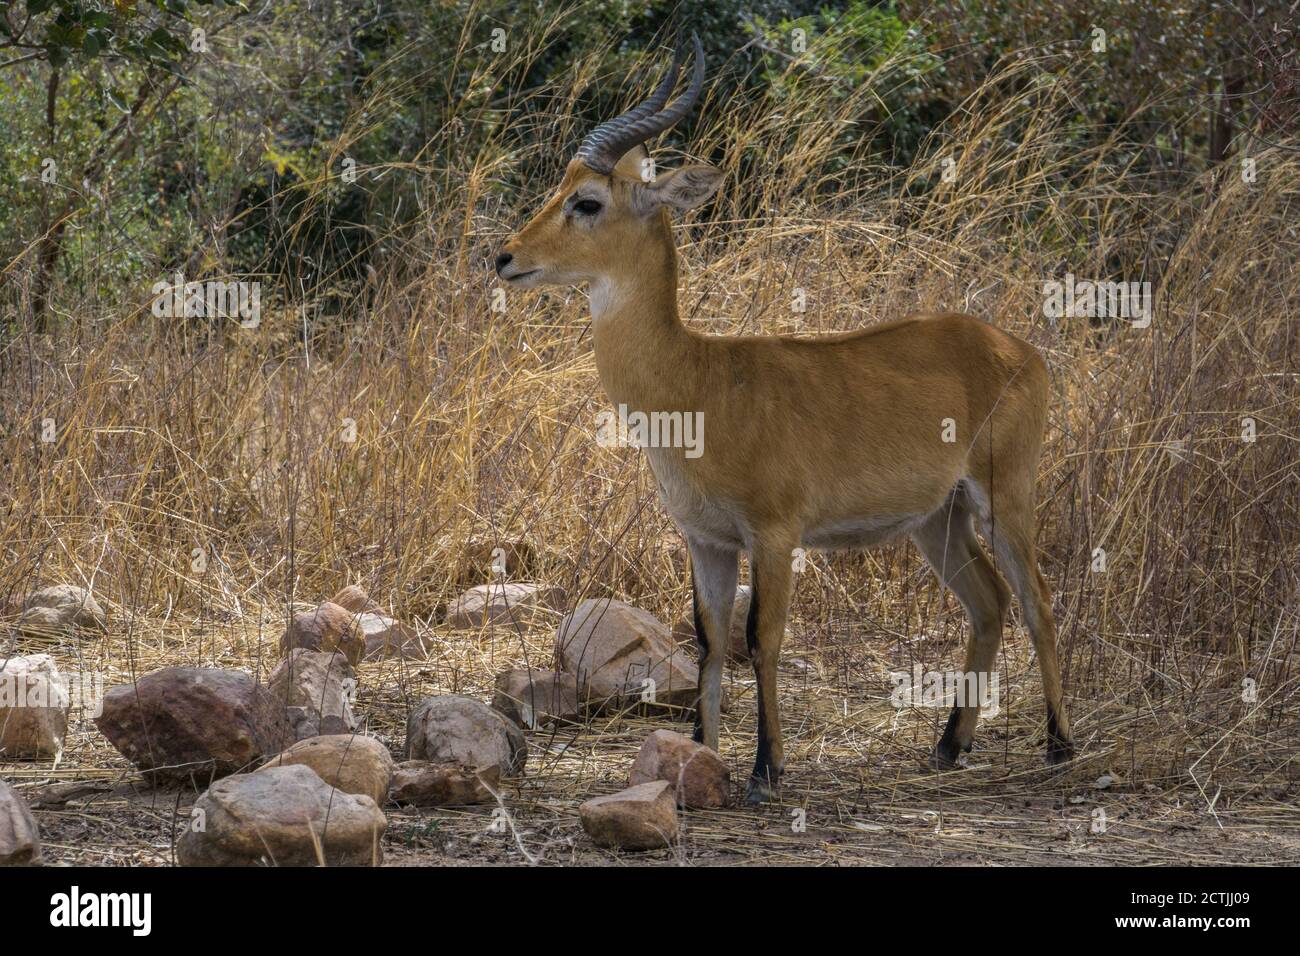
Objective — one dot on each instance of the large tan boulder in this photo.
(533, 698)
(349, 762)
(456, 729)
(58, 610)
(424, 783)
(639, 818)
(34, 704)
(327, 628)
(696, 773)
(620, 653)
(20, 840)
(315, 688)
(284, 816)
(193, 723)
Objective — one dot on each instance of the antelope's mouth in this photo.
(522, 278)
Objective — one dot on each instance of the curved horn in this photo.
(606, 144)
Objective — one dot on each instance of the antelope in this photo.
(829, 442)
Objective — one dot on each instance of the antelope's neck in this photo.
(646, 357)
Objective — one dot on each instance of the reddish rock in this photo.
(349, 762)
(352, 599)
(533, 698)
(285, 816)
(619, 653)
(639, 818)
(20, 840)
(183, 723)
(315, 689)
(423, 783)
(696, 773)
(456, 729)
(327, 628)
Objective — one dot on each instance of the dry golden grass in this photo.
(478, 425)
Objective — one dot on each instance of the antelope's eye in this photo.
(588, 207)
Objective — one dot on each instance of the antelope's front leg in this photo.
(771, 575)
(713, 581)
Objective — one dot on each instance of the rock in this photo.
(696, 773)
(737, 644)
(353, 599)
(639, 818)
(423, 783)
(55, 612)
(328, 628)
(183, 723)
(615, 651)
(520, 606)
(350, 762)
(316, 689)
(467, 731)
(283, 816)
(386, 637)
(34, 704)
(533, 698)
(20, 841)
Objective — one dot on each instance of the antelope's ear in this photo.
(683, 188)
(634, 163)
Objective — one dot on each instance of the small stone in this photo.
(34, 704)
(315, 688)
(328, 628)
(519, 606)
(696, 773)
(639, 818)
(352, 598)
(533, 698)
(183, 723)
(283, 816)
(386, 637)
(619, 652)
(349, 762)
(466, 731)
(57, 610)
(20, 840)
(424, 783)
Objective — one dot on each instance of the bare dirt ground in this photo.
(856, 790)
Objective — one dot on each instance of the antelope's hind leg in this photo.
(713, 583)
(948, 541)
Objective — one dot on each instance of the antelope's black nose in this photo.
(503, 260)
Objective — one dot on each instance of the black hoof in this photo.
(758, 792)
(943, 759)
(1059, 752)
